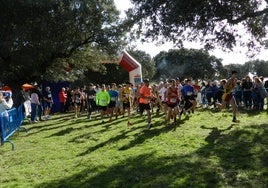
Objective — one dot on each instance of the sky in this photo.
(238, 55)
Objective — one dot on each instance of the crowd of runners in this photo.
(173, 98)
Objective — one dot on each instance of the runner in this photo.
(145, 97)
(172, 101)
(77, 99)
(228, 95)
(188, 97)
(162, 95)
(114, 98)
(102, 101)
(127, 99)
(91, 97)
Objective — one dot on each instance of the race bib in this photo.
(90, 97)
(173, 100)
(103, 102)
(113, 98)
(189, 93)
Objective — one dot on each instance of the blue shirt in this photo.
(188, 90)
(113, 94)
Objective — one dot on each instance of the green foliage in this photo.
(148, 65)
(259, 67)
(37, 37)
(205, 150)
(256, 67)
(187, 63)
(211, 22)
(112, 73)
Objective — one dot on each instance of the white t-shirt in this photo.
(162, 93)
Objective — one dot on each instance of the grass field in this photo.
(204, 150)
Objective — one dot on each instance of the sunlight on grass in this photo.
(204, 150)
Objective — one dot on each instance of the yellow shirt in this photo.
(126, 94)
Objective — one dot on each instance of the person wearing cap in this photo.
(228, 97)
(127, 100)
(144, 100)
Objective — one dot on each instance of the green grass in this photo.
(205, 150)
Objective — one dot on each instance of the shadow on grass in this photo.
(230, 158)
(250, 112)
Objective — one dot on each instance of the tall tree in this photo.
(185, 63)
(240, 68)
(147, 63)
(212, 22)
(39, 37)
(259, 67)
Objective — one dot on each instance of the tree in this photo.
(113, 73)
(148, 65)
(211, 22)
(256, 67)
(43, 37)
(187, 63)
(240, 68)
(259, 67)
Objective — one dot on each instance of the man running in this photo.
(114, 98)
(127, 100)
(102, 101)
(172, 101)
(228, 97)
(144, 101)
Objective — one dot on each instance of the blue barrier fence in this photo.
(10, 122)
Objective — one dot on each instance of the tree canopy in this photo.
(209, 21)
(39, 38)
(147, 63)
(187, 63)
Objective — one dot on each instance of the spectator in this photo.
(238, 93)
(48, 101)
(4, 106)
(247, 86)
(260, 92)
(68, 103)
(62, 99)
(40, 109)
(34, 104)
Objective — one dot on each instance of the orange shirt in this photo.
(145, 91)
